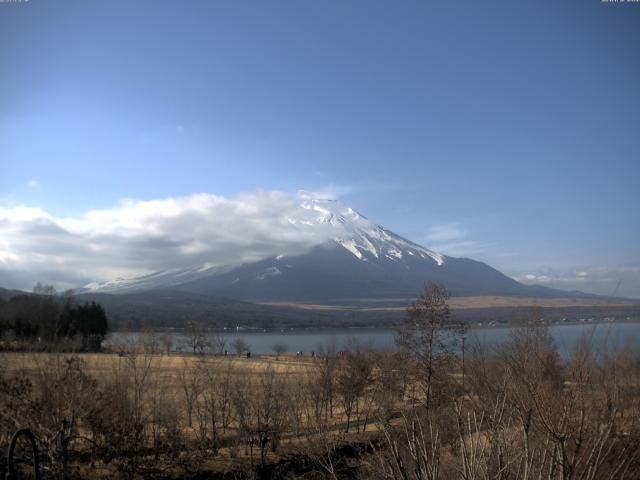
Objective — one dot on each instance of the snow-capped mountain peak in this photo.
(357, 234)
(323, 222)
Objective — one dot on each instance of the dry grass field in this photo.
(459, 303)
(167, 366)
(237, 409)
(139, 413)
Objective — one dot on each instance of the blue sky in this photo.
(504, 131)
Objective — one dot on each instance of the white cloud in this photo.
(452, 239)
(334, 191)
(445, 233)
(603, 280)
(138, 237)
(33, 184)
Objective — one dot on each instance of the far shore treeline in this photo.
(47, 319)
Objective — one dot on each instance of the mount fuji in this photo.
(352, 257)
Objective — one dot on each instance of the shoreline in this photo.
(303, 330)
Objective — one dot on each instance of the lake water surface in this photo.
(308, 341)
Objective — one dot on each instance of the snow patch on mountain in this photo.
(350, 245)
(268, 272)
(357, 234)
(163, 279)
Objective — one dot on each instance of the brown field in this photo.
(166, 369)
(98, 364)
(145, 414)
(169, 375)
(457, 303)
(168, 381)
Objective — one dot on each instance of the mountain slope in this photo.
(329, 272)
(353, 257)
(6, 294)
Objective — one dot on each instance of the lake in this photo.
(308, 341)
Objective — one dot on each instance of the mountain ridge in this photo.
(354, 257)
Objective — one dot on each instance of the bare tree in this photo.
(353, 379)
(150, 342)
(240, 346)
(196, 337)
(279, 349)
(390, 383)
(527, 413)
(213, 408)
(261, 410)
(45, 290)
(190, 385)
(58, 407)
(120, 431)
(428, 335)
(216, 342)
(328, 365)
(167, 343)
(412, 450)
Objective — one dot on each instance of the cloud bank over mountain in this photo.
(138, 237)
